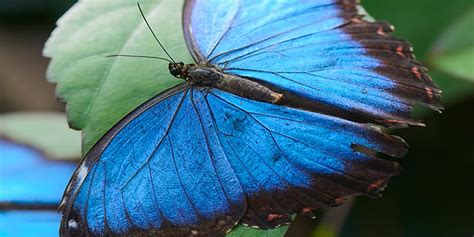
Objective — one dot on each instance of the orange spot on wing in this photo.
(429, 91)
(338, 201)
(307, 210)
(357, 20)
(375, 185)
(400, 51)
(380, 31)
(272, 217)
(417, 72)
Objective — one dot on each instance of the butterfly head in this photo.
(178, 70)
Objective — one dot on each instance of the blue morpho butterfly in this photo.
(276, 117)
(30, 190)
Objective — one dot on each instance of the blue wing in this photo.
(320, 50)
(157, 171)
(30, 191)
(27, 178)
(294, 161)
(196, 160)
(22, 223)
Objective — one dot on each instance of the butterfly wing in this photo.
(30, 190)
(157, 172)
(23, 223)
(321, 51)
(195, 160)
(27, 178)
(294, 161)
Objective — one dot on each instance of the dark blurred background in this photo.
(434, 196)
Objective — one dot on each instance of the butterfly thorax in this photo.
(212, 77)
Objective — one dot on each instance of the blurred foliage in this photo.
(453, 51)
(27, 11)
(324, 230)
(47, 131)
(458, 64)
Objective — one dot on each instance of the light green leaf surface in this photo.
(453, 52)
(459, 64)
(99, 91)
(242, 231)
(46, 131)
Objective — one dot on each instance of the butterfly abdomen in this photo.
(249, 89)
(207, 76)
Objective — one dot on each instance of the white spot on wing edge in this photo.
(72, 224)
(235, 224)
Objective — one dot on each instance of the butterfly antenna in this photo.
(154, 35)
(138, 56)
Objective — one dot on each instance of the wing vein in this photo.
(264, 162)
(85, 227)
(290, 162)
(158, 209)
(226, 31)
(159, 142)
(179, 178)
(263, 40)
(209, 149)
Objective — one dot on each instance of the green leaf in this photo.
(459, 64)
(99, 90)
(324, 230)
(415, 22)
(46, 131)
(361, 11)
(243, 231)
(453, 52)
(457, 35)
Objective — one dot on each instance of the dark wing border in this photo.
(188, 35)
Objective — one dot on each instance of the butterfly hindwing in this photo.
(30, 190)
(28, 178)
(291, 161)
(322, 51)
(156, 172)
(27, 223)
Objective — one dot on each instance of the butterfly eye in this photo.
(175, 71)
